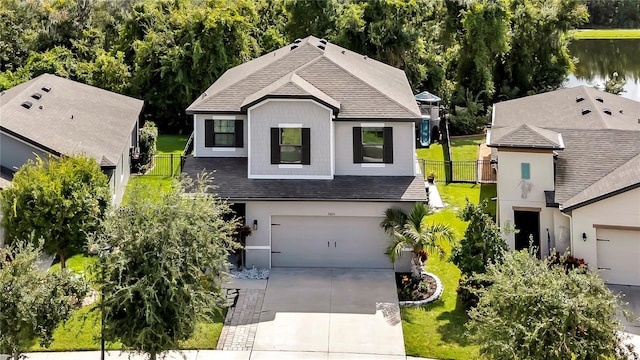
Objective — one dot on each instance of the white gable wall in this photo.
(200, 150)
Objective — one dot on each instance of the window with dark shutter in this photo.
(291, 146)
(223, 133)
(373, 145)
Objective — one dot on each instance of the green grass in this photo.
(461, 150)
(82, 332)
(171, 144)
(438, 329)
(78, 263)
(583, 34)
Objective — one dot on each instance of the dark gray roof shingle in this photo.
(231, 182)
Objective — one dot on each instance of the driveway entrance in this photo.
(335, 311)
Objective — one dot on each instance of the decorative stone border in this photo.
(432, 298)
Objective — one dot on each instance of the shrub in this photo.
(148, 139)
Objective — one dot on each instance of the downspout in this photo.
(570, 231)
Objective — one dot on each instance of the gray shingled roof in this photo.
(230, 179)
(364, 88)
(525, 136)
(600, 155)
(71, 118)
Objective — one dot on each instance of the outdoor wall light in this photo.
(584, 236)
(255, 224)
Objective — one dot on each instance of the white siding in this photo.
(404, 152)
(308, 114)
(14, 153)
(200, 150)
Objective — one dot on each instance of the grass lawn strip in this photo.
(171, 144)
(583, 34)
(438, 329)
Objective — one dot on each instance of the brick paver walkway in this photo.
(241, 323)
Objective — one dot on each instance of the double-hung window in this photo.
(373, 145)
(223, 133)
(290, 145)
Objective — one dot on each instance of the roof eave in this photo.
(333, 107)
(601, 197)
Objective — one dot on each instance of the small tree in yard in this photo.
(536, 310)
(60, 200)
(32, 302)
(414, 231)
(163, 259)
(148, 143)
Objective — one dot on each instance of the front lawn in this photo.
(438, 329)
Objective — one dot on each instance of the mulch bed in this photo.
(409, 289)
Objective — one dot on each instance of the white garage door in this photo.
(619, 256)
(329, 241)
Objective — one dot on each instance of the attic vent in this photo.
(297, 41)
(585, 111)
(36, 96)
(46, 88)
(27, 104)
(621, 112)
(599, 99)
(322, 47)
(579, 98)
(607, 111)
(294, 47)
(323, 41)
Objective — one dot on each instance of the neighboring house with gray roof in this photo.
(50, 115)
(312, 143)
(568, 165)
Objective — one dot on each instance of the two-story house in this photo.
(312, 143)
(50, 115)
(569, 176)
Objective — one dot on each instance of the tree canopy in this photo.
(60, 200)
(163, 259)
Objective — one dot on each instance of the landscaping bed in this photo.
(411, 289)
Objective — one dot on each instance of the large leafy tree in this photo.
(534, 310)
(414, 231)
(32, 302)
(482, 243)
(60, 200)
(162, 261)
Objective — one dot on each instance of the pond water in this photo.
(598, 59)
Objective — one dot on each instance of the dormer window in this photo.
(223, 133)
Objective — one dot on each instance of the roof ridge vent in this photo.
(27, 104)
(294, 47)
(297, 41)
(579, 98)
(36, 96)
(600, 99)
(585, 111)
(46, 88)
(607, 111)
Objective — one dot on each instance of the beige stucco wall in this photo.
(258, 252)
(404, 150)
(198, 137)
(621, 210)
(512, 192)
(303, 113)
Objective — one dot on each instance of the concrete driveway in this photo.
(631, 296)
(342, 313)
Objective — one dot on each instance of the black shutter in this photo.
(306, 146)
(357, 145)
(275, 145)
(239, 134)
(387, 134)
(209, 140)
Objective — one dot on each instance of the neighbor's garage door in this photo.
(331, 241)
(619, 256)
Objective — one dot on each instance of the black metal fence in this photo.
(163, 165)
(478, 171)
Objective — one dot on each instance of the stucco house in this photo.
(312, 143)
(57, 116)
(568, 170)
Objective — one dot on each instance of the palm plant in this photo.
(413, 231)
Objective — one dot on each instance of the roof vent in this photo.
(342, 52)
(579, 98)
(585, 111)
(36, 96)
(297, 41)
(323, 41)
(607, 111)
(599, 99)
(322, 47)
(366, 57)
(621, 111)
(294, 47)
(27, 104)
(46, 88)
